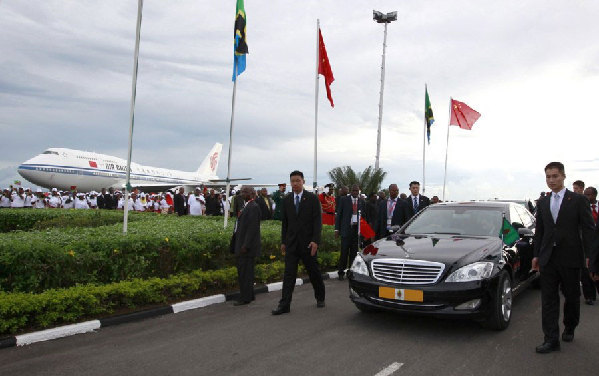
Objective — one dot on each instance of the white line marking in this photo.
(389, 369)
(61, 331)
(198, 303)
(275, 286)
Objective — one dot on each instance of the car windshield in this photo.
(457, 221)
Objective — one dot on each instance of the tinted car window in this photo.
(527, 218)
(457, 221)
(514, 215)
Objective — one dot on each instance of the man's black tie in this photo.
(415, 205)
(296, 204)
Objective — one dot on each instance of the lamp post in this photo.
(384, 19)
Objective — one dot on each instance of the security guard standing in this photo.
(277, 197)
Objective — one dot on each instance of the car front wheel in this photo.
(501, 307)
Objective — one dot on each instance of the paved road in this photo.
(337, 340)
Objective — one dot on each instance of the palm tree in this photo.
(369, 180)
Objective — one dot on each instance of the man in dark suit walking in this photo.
(415, 200)
(589, 286)
(247, 245)
(300, 236)
(179, 202)
(563, 238)
(346, 225)
(391, 212)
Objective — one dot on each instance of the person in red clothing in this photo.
(327, 201)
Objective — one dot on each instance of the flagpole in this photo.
(230, 144)
(140, 5)
(314, 181)
(359, 219)
(446, 148)
(424, 146)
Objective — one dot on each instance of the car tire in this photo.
(501, 305)
(365, 308)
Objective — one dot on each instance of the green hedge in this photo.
(41, 219)
(155, 246)
(28, 311)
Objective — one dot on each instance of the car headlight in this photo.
(359, 265)
(471, 272)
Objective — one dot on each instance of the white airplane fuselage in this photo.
(68, 169)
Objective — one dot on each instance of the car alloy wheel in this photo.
(506, 299)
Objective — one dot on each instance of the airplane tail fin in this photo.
(210, 163)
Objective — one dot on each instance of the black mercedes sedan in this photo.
(465, 259)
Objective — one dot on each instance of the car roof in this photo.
(477, 204)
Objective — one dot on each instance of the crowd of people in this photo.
(199, 202)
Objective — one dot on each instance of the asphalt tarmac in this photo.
(336, 340)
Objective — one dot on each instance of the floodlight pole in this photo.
(386, 19)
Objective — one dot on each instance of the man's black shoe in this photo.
(280, 310)
(240, 302)
(568, 335)
(320, 304)
(548, 347)
(589, 301)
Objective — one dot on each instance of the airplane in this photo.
(68, 169)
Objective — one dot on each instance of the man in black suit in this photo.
(300, 236)
(346, 225)
(589, 286)
(106, 200)
(415, 200)
(391, 212)
(179, 202)
(563, 238)
(247, 245)
(265, 204)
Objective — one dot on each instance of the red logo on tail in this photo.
(213, 161)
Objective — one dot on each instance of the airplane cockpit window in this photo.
(50, 152)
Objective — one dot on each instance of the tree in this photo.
(369, 180)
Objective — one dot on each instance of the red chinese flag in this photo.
(324, 67)
(365, 230)
(93, 164)
(462, 115)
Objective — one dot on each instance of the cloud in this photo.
(526, 66)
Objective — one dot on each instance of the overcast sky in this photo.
(530, 67)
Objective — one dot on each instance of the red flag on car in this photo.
(365, 230)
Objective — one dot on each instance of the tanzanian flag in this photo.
(240, 44)
(508, 233)
(428, 115)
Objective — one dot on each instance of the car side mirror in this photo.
(525, 233)
(517, 225)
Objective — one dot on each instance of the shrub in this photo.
(41, 219)
(27, 311)
(155, 246)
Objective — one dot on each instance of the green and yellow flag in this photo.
(428, 114)
(508, 233)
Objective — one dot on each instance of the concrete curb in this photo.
(90, 326)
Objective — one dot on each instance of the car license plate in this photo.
(401, 294)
